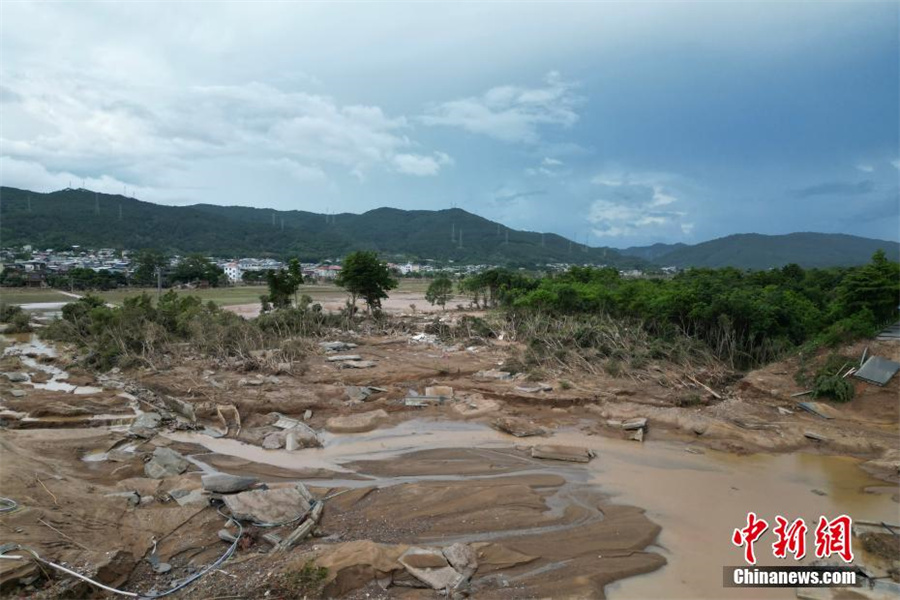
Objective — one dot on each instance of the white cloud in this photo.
(511, 113)
(142, 134)
(636, 204)
(416, 164)
(865, 168)
(896, 163)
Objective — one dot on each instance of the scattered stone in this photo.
(132, 497)
(165, 463)
(637, 436)
(356, 423)
(784, 411)
(819, 493)
(16, 377)
(692, 450)
(336, 346)
(358, 393)
(567, 453)
(278, 505)
(533, 389)
(145, 424)
(17, 393)
(634, 424)
(517, 427)
(493, 374)
(307, 415)
(223, 483)
(162, 567)
(343, 357)
(251, 382)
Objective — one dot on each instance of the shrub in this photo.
(833, 386)
(306, 582)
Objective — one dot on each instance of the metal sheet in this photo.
(877, 370)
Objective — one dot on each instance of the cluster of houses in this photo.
(36, 265)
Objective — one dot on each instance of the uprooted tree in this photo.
(366, 277)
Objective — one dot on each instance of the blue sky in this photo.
(616, 123)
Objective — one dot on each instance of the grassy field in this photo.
(225, 296)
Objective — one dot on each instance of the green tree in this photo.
(439, 291)
(283, 284)
(195, 268)
(366, 277)
(146, 262)
(875, 287)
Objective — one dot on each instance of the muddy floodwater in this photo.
(697, 499)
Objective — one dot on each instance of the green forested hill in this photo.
(756, 251)
(68, 217)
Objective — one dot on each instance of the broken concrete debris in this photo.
(16, 377)
(439, 391)
(637, 435)
(494, 374)
(223, 483)
(17, 393)
(343, 357)
(815, 436)
(816, 409)
(270, 506)
(567, 453)
(165, 462)
(517, 426)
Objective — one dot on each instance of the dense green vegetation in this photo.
(61, 219)
(366, 277)
(439, 291)
(744, 318)
(756, 251)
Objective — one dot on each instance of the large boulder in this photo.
(165, 463)
(278, 505)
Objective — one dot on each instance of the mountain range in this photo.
(82, 217)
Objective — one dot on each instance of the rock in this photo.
(819, 493)
(439, 391)
(223, 483)
(462, 558)
(357, 393)
(567, 453)
(634, 424)
(336, 346)
(357, 423)
(251, 382)
(442, 577)
(189, 497)
(133, 498)
(517, 427)
(165, 463)
(637, 436)
(343, 357)
(307, 415)
(162, 567)
(114, 568)
(17, 393)
(274, 440)
(145, 424)
(815, 436)
(278, 505)
(16, 377)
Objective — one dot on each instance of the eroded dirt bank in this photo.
(400, 467)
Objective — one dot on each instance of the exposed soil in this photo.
(433, 475)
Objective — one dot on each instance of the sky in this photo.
(613, 123)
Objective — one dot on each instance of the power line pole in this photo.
(460, 238)
(158, 283)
